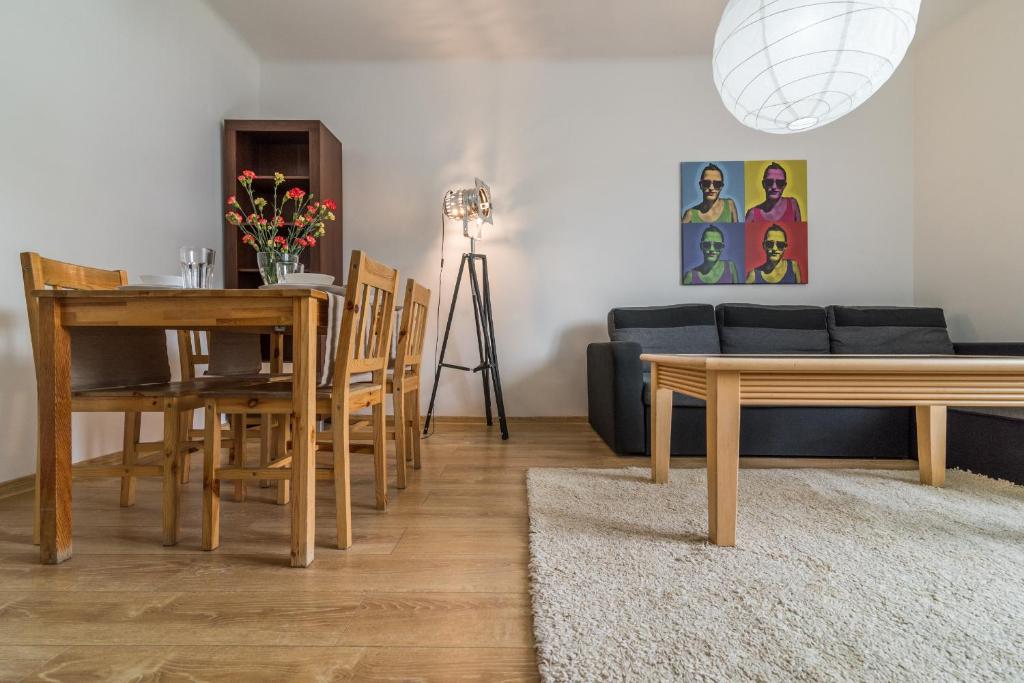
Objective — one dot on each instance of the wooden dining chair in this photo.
(363, 347)
(234, 355)
(124, 370)
(404, 384)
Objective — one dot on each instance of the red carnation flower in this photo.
(296, 193)
(232, 201)
(311, 241)
(248, 175)
(302, 242)
(248, 239)
(329, 203)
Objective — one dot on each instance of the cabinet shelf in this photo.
(301, 150)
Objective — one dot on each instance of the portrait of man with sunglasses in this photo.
(713, 207)
(775, 206)
(776, 270)
(713, 270)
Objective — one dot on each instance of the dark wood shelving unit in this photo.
(309, 155)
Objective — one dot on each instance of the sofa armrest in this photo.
(989, 348)
(615, 394)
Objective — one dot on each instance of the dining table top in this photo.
(165, 292)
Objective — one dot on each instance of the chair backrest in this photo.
(412, 330)
(100, 357)
(364, 344)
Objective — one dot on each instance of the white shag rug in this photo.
(838, 575)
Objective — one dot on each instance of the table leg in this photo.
(931, 444)
(54, 405)
(723, 423)
(172, 473)
(661, 428)
(304, 342)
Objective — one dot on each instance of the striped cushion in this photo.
(888, 330)
(757, 329)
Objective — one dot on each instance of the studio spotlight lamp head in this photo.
(472, 206)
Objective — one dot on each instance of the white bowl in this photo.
(161, 280)
(311, 279)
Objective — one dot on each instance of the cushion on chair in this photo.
(117, 357)
(756, 329)
(888, 330)
(685, 328)
(234, 353)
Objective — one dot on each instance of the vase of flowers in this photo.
(279, 229)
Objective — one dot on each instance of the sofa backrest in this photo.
(753, 328)
(684, 328)
(888, 330)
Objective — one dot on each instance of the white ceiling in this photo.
(492, 29)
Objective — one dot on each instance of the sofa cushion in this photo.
(753, 328)
(686, 328)
(888, 330)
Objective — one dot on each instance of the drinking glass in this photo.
(286, 265)
(197, 267)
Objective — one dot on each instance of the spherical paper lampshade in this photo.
(783, 66)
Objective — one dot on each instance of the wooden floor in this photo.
(435, 588)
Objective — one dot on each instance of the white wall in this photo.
(968, 153)
(583, 161)
(109, 155)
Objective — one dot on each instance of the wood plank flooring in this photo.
(434, 589)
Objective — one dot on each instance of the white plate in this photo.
(333, 289)
(161, 280)
(308, 279)
(148, 287)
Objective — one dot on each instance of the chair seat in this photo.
(189, 387)
(272, 389)
(411, 380)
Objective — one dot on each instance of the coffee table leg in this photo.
(931, 444)
(723, 423)
(661, 428)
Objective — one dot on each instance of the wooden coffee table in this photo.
(928, 383)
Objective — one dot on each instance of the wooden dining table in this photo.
(298, 311)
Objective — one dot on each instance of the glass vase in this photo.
(274, 265)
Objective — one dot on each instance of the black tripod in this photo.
(484, 320)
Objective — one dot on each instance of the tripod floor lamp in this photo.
(473, 207)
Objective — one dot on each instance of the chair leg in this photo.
(186, 461)
(266, 443)
(398, 401)
(380, 456)
(414, 432)
(172, 480)
(284, 427)
(238, 452)
(35, 508)
(211, 485)
(342, 476)
(129, 455)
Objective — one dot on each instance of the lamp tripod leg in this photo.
(444, 347)
(493, 350)
(482, 343)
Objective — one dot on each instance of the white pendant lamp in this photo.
(784, 66)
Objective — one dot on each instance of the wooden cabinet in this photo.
(310, 157)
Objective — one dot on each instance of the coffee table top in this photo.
(829, 363)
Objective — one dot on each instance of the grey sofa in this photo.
(619, 390)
